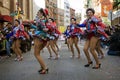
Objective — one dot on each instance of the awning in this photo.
(5, 18)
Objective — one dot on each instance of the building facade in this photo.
(61, 20)
(35, 9)
(8, 7)
(66, 13)
(51, 5)
(27, 8)
(72, 13)
(101, 7)
(78, 17)
(60, 17)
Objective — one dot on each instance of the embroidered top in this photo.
(94, 24)
(75, 30)
(18, 32)
(40, 25)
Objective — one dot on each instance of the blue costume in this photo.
(39, 30)
(67, 33)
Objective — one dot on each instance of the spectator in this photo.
(107, 30)
(7, 31)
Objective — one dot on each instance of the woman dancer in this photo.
(40, 38)
(18, 35)
(53, 38)
(75, 32)
(93, 26)
(67, 36)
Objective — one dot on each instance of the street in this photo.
(64, 68)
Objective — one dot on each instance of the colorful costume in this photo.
(52, 30)
(75, 30)
(67, 33)
(18, 32)
(39, 30)
(94, 27)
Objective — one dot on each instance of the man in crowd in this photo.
(7, 34)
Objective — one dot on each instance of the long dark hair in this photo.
(43, 12)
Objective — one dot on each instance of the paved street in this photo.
(63, 69)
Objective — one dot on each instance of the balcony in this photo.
(55, 18)
(55, 11)
(67, 16)
(55, 5)
(62, 19)
(61, 14)
(67, 11)
(47, 6)
(67, 7)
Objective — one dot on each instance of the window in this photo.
(6, 3)
(67, 11)
(67, 7)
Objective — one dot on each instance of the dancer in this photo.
(67, 36)
(53, 38)
(40, 38)
(74, 37)
(75, 31)
(18, 35)
(94, 26)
